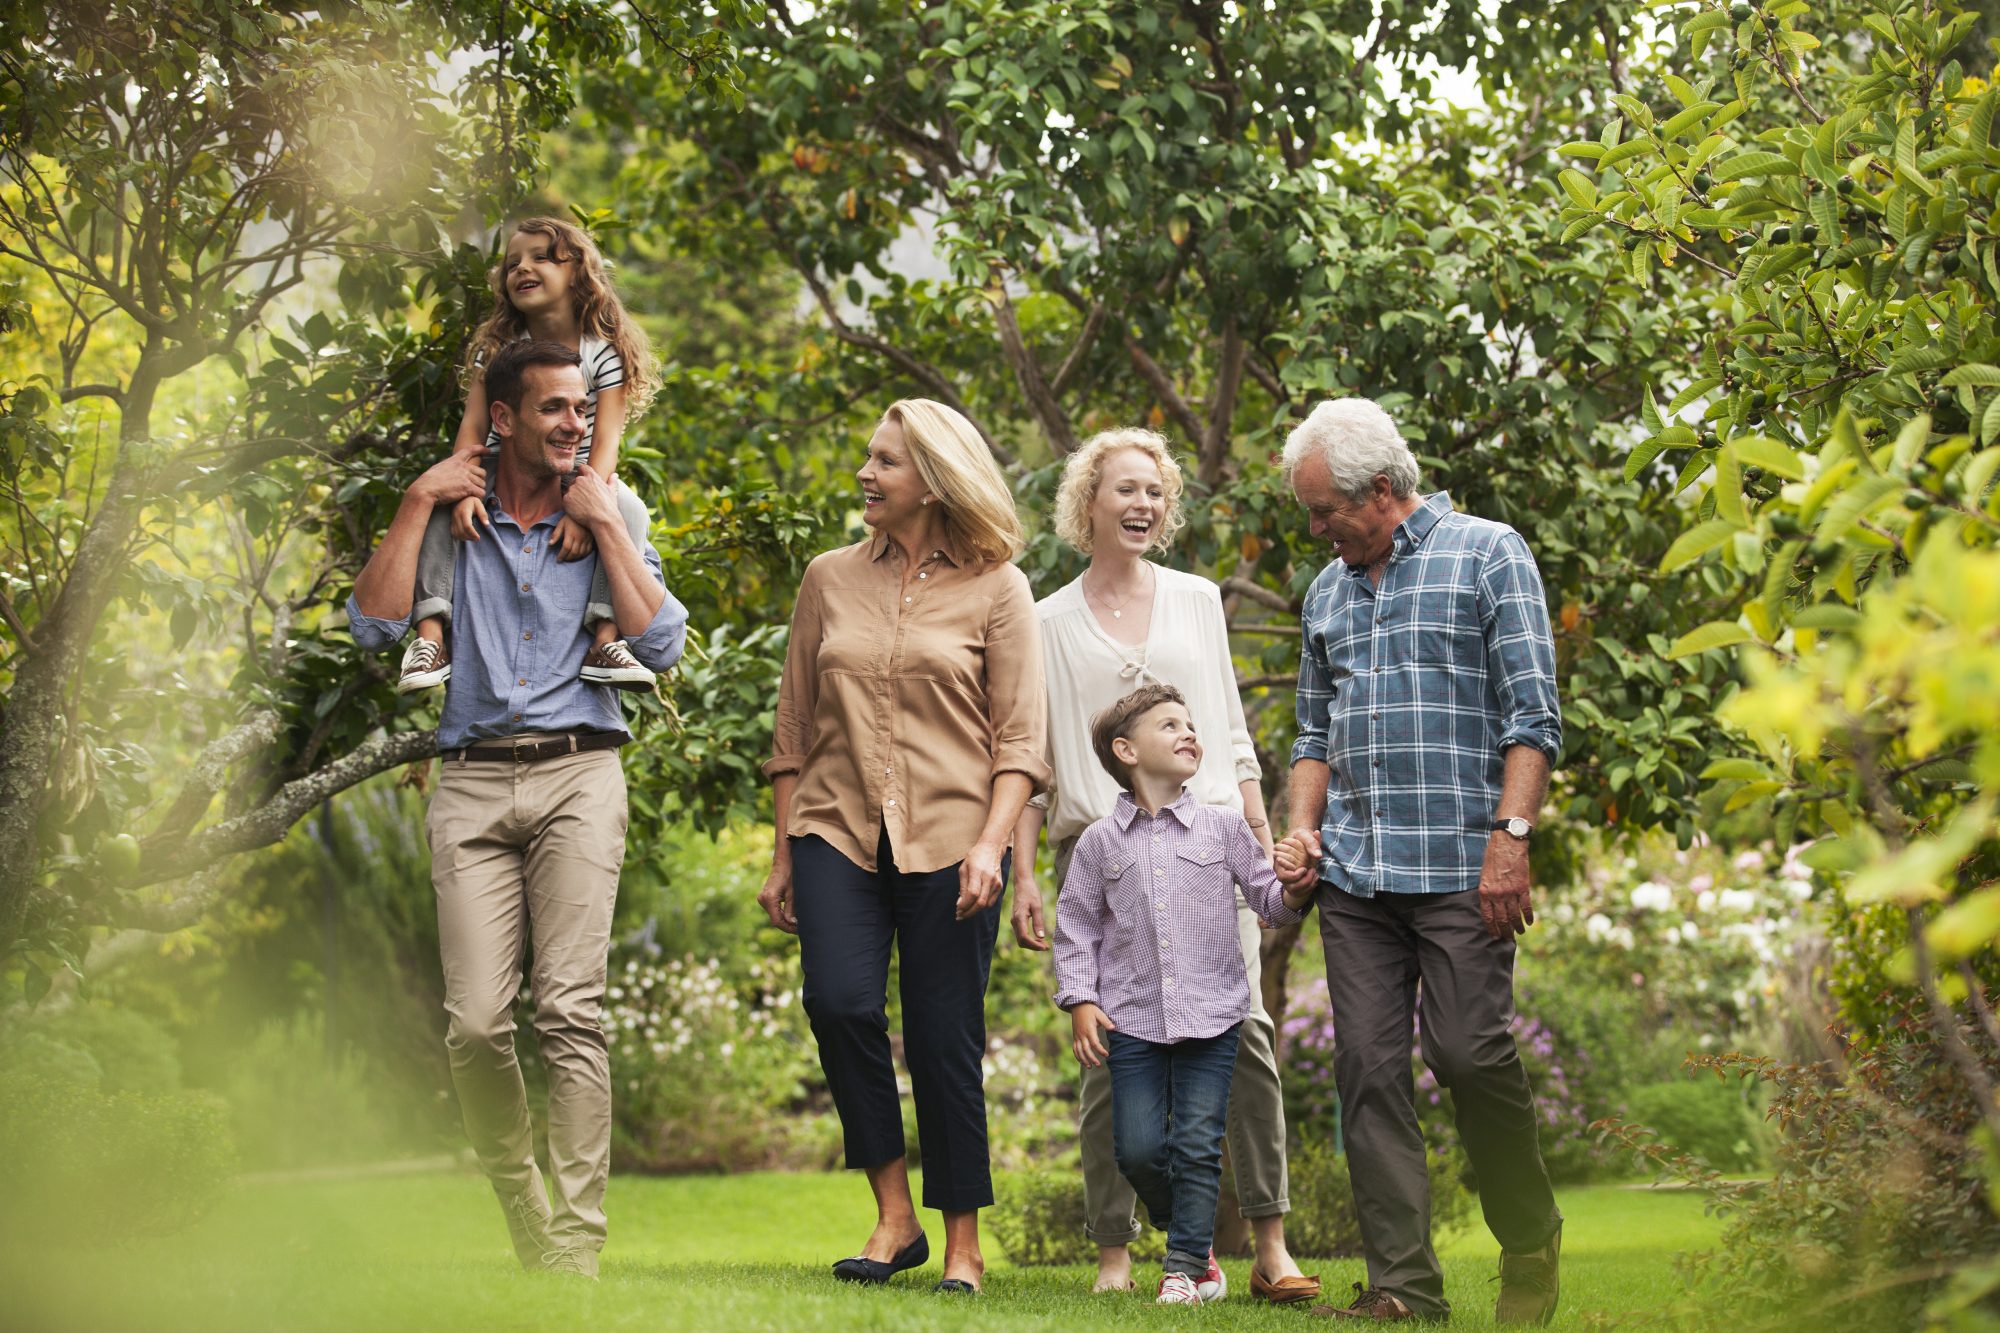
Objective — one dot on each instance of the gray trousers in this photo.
(1389, 959)
(438, 558)
(1256, 1125)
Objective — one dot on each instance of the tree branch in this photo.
(1163, 389)
(917, 370)
(177, 858)
(1258, 593)
(1086, 338)
(1028, 374)
(211, 769)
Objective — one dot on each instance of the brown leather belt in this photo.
(528, 752)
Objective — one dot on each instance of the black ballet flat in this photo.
(955, 1286)
(874, 1272)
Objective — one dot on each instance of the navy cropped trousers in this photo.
(848, 920)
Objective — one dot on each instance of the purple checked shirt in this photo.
(1146, 922)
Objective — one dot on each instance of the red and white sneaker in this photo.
(1177, 1289)
(1212, 1286)
(613, 664)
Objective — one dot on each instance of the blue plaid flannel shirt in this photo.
(1412, 691)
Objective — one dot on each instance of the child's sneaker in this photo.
(1212, 1285)
(426, 665)
(1177, 1289)
(613, 664)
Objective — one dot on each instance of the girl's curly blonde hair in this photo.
(1085, 470)
(599, 312)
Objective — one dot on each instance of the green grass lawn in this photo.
(429, 1252)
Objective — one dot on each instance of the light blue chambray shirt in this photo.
(1412, 691)
(518, 638)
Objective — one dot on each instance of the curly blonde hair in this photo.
(1085, 471)
(599, 312)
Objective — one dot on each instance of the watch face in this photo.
(1519, 828)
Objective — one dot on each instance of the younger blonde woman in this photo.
(1129, 621)
(550, 287)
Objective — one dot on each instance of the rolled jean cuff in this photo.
(594, 612)
(1177, 1262)
(431, 606)
(1113, 1237)
(1274, 1208)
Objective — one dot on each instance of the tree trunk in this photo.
(62, 638)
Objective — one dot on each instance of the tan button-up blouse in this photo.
(900, 703)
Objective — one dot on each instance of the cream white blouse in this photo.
(1187, 647)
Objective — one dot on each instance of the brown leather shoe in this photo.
(1530, 1283)
(1369, 1303)
(1284, 1291)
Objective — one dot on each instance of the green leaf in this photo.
(1729, 487)
(1582, 148)
(1706, 638)
(1624, 152)
(1649, 411)
(1684, 120)
(1692, 392)
(1853, 504)
(1764, 452)
(1578, 186)
(1972, 373)
(1827, 615)
(1642, 455)
(1740, 770)
(1696, 542)
(1755, 164)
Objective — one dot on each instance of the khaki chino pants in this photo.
(1256, 1125)
(524, 851)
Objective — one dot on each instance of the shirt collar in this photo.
(1127, 809)
(948, 550)
(1410, 533)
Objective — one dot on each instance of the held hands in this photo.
(979, 881)
(1296, 860)
(776, 898)
(1504, 904)
(1085, 1020)
(1031, 930)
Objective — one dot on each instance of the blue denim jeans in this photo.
(1169, 1107)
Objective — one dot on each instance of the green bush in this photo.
(1702, 1117)
(82, 1166)
(1322, 1223)
(1038, 1219)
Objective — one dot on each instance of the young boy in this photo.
(1148, 966)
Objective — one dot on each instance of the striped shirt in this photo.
(602, 369)
(1412, 691)
(1146, 921)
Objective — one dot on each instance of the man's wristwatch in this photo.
(1517, 829)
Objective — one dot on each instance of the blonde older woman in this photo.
(1128, 621)
(910, 732)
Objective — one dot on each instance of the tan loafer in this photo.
(1284, 1291)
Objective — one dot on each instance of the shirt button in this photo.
(906, 599)
(892, 802)
(1168, 983)
(527, 550)
(1376, 716)
(524, 587)
(887, 771)
(1158, 873)
(523, 680)
(1158, 903)
(1378, 814)
(529, 635)
(517, 717)
(1378, 763)
(926, 574)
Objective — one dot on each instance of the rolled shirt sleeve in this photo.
(659, 645)
(1016, 688)
(1521, 647)
(1081, 914)
(375, 633)
(798, 690)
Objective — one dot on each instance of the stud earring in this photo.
(925, 500)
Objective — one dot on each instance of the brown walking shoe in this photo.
(1284, 1290)
(528, 1225)
(613, 664)
(1369, 1303)
(1530, 1283)
(426, 665)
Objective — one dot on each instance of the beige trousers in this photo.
(1256, 1129)
(524, 851)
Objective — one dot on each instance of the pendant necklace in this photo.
(1118, 611)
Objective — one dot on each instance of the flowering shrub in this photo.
(713, 1073)
(1312, 1107)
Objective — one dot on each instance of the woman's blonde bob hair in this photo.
(1085, 471)
(955, 464)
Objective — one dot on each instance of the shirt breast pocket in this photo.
(1446, 632)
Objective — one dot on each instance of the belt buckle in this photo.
(521, 749)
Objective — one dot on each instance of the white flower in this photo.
(1799, 889)
(1705, 901)
(1690, 931)
(1652, 896)
(1738, 900)
(1596, 926)
(1622, 936)
(1749, 860)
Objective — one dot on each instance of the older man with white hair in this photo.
(1427, 726)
